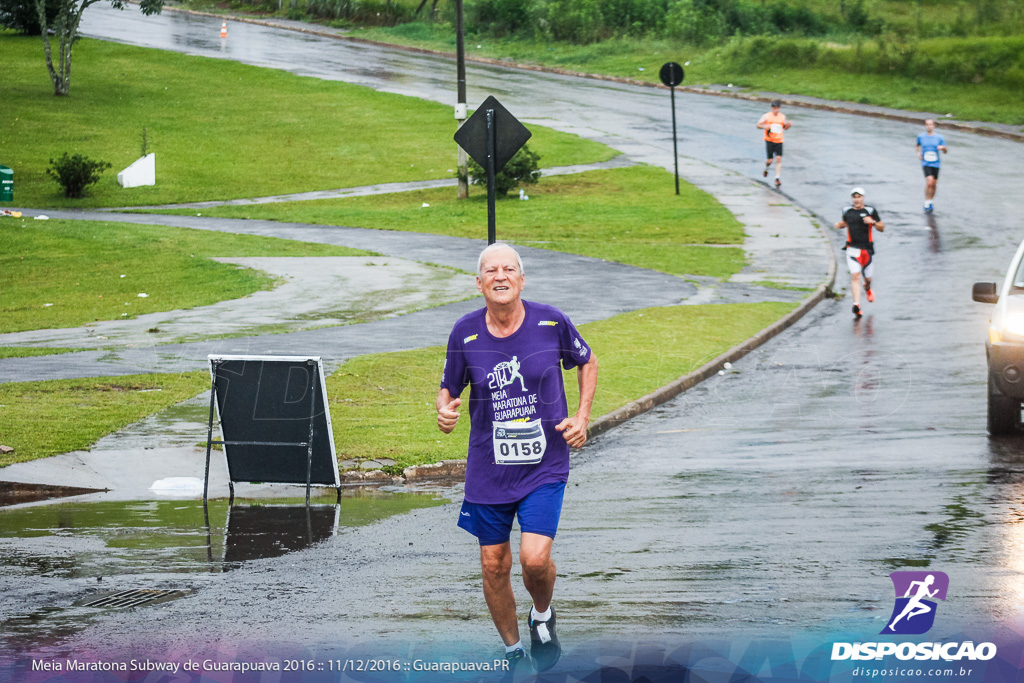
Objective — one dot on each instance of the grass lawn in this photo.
(26, 351)
(63, 273)
(212, 137)
(628, 215)
(40, 419)
(382, 405)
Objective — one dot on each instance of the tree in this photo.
(521, 169)
(65, 30)
(21, 15)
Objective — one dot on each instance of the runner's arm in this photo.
(447, 411)
(877, 221)
(574, 429)
(840, 225)
(919, 157)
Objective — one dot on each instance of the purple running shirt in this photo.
(516, 398)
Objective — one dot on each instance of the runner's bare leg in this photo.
(538, 569)
(855, 287)
(496, 568)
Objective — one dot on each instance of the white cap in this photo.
(857, 190)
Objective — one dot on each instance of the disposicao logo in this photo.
(913, 614)
(916, 595)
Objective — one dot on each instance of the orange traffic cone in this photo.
(224, 30)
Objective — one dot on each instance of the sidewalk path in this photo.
(314, 292)
(381, 188)
(784, 247)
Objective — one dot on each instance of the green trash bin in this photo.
(6, 184)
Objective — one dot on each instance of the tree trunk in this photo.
(65, 29)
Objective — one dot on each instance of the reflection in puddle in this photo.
(15, 493)
(144, 537)
(48, 550)
(259, 531)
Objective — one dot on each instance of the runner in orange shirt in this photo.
(773, 123)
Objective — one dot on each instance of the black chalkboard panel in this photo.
(265, 400)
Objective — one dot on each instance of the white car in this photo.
(1005, 347)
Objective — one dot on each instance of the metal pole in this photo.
(209, 539)
(209, 432)
(309, 447)
(460, 107)
(675, 150)
(491, 232)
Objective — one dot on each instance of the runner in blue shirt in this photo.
(928, 147)
(511, 354)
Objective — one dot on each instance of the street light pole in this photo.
(460, 106)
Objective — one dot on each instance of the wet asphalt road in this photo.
(771, 500)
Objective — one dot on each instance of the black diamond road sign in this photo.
(509, 134)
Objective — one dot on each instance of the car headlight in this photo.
(1013, 326)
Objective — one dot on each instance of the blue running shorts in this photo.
(538, 513)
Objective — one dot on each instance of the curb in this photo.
(838, 108)
(666, 393)
(673, 389)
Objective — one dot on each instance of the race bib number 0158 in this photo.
(519, 443)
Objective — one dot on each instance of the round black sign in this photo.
(671, 74)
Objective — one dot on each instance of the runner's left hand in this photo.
(574, 430)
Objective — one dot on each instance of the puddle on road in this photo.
(56, 546)
(140, 537)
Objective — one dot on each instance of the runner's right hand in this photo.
(448, 416)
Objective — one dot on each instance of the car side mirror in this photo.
(985, 292)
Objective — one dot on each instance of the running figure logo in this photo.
(914, 611)
(506, 373)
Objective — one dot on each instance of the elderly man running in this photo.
(519, 437)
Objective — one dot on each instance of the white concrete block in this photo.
(142, 172)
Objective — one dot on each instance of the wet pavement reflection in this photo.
(139, 537)
(69, 553)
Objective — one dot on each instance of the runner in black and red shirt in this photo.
(860, 222)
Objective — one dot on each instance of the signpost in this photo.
(460, 104)
(492, 136)
(672, 75)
